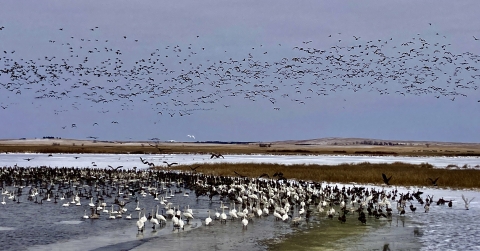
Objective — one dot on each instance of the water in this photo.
(49, 226)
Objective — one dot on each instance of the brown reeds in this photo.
(200, 148)
(403, 174)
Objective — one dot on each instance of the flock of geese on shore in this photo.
(175, 80)
(116, 192)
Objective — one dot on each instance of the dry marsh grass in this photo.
(199, 148)
(403, 174)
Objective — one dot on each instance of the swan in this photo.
(170, 212)
(181, 224)
(245, 222)
(89, 204)
(154, 221)
(143, 219)
(160, 217)
(48, 197)
(65, 204)
(240, 213)
(140, 223)
(223, 216)
(277, 215)
(189, 210)
(233, 214)
(208, 220)
(85, 216)
(137, 208)
(128, 217)
(3, 201)
(111, 217)
(113, 212)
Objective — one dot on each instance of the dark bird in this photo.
(385, 179)
(434, 182)
(194, 168)
(115, 168)
(279, 174)
(476, 38)
(28, 159)
(241, 176)
(170, 164)
(264, 175)
(147, 163)
(216, 155)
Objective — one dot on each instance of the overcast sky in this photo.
(215, 36)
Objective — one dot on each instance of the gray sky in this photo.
(422, 53)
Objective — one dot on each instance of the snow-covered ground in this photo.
(131, 160)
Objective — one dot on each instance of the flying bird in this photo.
(216, 155)
(467, 202)
(115, 168)
(434, 182)
(170, 164)
(385, 179)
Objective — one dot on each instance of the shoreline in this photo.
(275, 148)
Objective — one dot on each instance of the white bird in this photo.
(208, 220)
(180, 223)
(143, 219)
(159, 216)
(244, 222)
(137, 208)
(140, 223)
(233, 214)
(154, 221)
(223, 216)
(467, 202)
(85, 216)
(277, 215)
(128, 217)
(3, 201)
(89, 204)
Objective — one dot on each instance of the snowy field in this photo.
(132, 160)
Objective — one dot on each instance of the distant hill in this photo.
(365, 141)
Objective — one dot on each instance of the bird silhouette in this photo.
(434, 181)
(385, 179)
(115, 168)
(170, 164)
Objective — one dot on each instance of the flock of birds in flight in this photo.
(178, 80)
